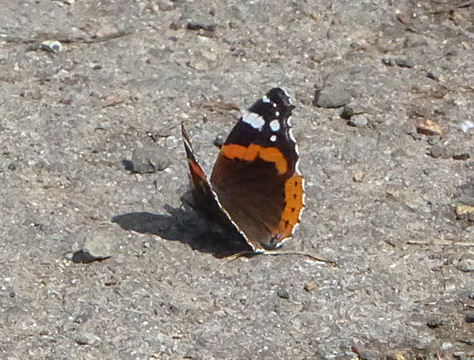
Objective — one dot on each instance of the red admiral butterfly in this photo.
(255, 190)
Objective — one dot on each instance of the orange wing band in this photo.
(293, 206)
(196, 169)
(253, 152)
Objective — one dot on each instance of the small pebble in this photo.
(464, 210)
(331, 97)
(308, 287)
(111, 281)
(86, 338)
(358, 176)
(238, 52)
(202, 24)
(469, 318)
(446, 346)
(165, 6)
(388, 62)
(354, 109)
(283, 293)
(433, 140)
(413, 40)
(347, 112)
(434, 323)
(404, 63)
(97, 246)
(53, 46)
(198, 63)
(436, 151)
(148, 159)
(461, 156)
(466, 126)
(432, 76)
(429, 127)
(358, 121)
(466, 264)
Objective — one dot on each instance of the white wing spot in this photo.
(289, 132)
(254, 120)
(265, 99)
(275, 125)
(274, 105)
(277, 113)
(273, 138)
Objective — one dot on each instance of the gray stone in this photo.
(404, 63)
(436, 151)
(355, 109)
(434, 139)
(431, 75)
(460, 155)
(202, 24)
(358, 121)
(165, 6)
(413, 40)
(332, 97)
(283, 293)
(446, 346)
(434, 323)
(97, 246)
(86, 338)
(347, 112)
(199, 63)
(466, 125)
(53, 46)
(149, 159)
(100, 244)
(388, 61)
(466, 263)
(469, 318)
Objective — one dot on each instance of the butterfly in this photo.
(255, 191)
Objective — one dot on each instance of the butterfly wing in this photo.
(256, 177)
(205, 197)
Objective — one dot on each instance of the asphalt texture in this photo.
(103, 258)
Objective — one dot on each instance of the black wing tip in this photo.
(280, 96)
(184, 133)
(187, 144)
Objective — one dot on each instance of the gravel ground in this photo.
(92, 95)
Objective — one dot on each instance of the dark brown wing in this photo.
(205, 197)
(256, 177)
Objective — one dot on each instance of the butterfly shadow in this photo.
(185, 224)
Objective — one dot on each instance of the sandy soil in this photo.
(389, 192)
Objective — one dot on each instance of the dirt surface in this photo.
(390, 202)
